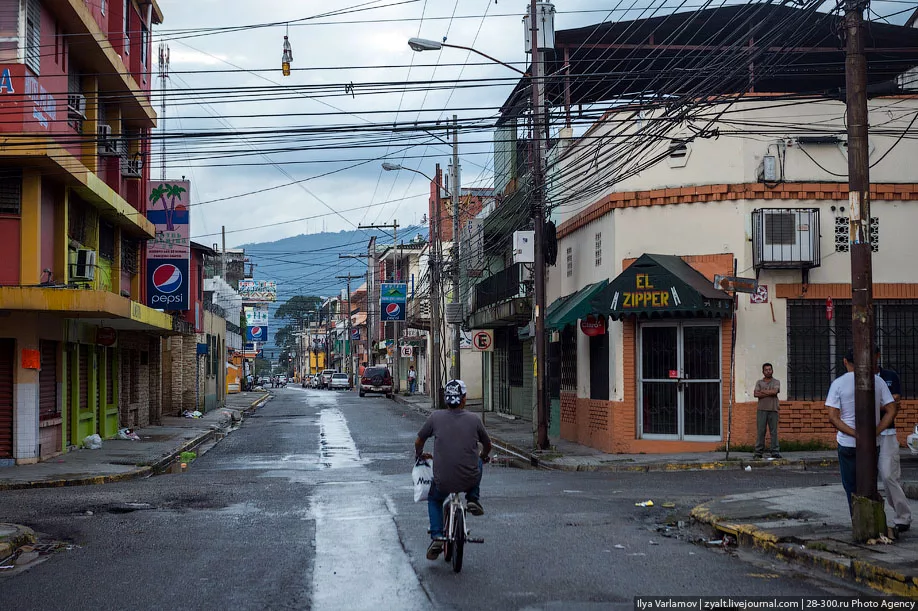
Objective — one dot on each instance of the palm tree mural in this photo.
(174, 193)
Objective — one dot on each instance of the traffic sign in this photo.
(407, 352)
(483, 341)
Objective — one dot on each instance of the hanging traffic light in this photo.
(287, 57)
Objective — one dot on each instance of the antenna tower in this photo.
(163, 75)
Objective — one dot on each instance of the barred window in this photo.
(816, 346)
(107, 241)
(129, 261)
(570, 261)
(10, 192)
(569, 358)
(598, 240)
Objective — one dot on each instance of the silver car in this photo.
(339, 381)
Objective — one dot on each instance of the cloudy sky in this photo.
(274, 156)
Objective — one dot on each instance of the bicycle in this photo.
(456, 530)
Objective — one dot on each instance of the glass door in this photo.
(679, 381)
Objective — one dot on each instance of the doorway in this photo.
(679, 376)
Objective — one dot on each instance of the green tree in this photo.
(298, 308)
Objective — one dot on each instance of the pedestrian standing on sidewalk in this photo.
(412, 380)
(766, 391)
(840, 403)
(889, 467)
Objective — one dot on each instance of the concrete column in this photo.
(30, 229)
(25, 433)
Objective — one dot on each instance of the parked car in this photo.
(339, 381)
(282, 380)
(326, 377)
(376, 380)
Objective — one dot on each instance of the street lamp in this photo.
(422, 44)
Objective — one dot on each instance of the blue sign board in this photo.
(393, 301)
(168, 284)
(256, 334)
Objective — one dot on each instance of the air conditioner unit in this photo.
(786, 238)
(76, 106)
(132, 167)
(108, 145)
(83, 267)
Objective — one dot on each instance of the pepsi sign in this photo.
(167, 284)
(393, 301)
(256, 334)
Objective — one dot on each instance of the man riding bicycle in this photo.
(457, 467)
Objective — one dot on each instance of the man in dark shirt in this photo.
(457, 464)
(766, 391)
(888, 460)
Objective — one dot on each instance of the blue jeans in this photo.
(847, 466)
(412, 386)
(435, 500)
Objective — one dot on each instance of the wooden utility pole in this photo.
(868, 518)
(435, 261)
(455, 361)
(350, 351)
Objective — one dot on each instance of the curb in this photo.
(143, 471)
(23, 536)
(875, 577)
(803, 463)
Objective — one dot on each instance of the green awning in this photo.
(662, 286)
(568, 310)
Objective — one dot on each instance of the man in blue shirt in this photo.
(888, 462)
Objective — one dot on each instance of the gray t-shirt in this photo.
(456, 434)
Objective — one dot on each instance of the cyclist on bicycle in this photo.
(457, 467)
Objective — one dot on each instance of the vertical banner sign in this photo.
(169, 254)
(393, 301)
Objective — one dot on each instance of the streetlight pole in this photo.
(538, 215)
(456, 370)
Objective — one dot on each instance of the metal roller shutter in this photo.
(84, 377)
(7, 366)
(47, 381)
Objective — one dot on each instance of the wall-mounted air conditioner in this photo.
(785, 238)
(83, 266)
(132, 167)
(76, 106)
(109, 145)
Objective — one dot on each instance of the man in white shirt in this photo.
(840, 402)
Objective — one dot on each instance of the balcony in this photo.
(509, 283)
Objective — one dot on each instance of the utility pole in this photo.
(455, 368)
(868, 518)
(397, 325)
(538, 215)
(350, 352)
(435, 261)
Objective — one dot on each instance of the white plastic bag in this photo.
(93, 442)
(422, 476)
(912, 441)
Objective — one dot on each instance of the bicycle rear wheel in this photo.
(458, 543)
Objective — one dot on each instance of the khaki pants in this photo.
(765, 418)
(890, 475)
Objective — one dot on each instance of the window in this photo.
(598, 249)
(10, 16)
(33, 36)
(144, 44)
(816, 346)
(599, 367)
(570, 261)
(10, 192)
(102, 4)
(129, 256)
(127, 27)
(106, 240)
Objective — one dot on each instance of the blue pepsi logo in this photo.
(167, 278)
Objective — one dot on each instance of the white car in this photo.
(339, 381)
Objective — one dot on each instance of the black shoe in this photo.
(756, 457)
(435, 549)
(901, 528)
(776, 455)
(475, 507)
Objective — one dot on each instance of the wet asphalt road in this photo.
(309, 506)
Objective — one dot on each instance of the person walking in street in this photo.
(766, 391)
(840, 403)
(458, 463)
(889, 468)
(412, 380)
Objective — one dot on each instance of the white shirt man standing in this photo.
(840, 402)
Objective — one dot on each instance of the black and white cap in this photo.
(453, 392)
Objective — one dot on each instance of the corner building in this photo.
(79, 350)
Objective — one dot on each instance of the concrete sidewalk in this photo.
(807, 526)
(121, 459)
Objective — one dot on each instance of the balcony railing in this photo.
(506, 284)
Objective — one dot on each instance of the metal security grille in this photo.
(816, 346)
(10, 192)
(569, 358)
(106, 240)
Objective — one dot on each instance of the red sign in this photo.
(31, 359)
(106, 336)
(593, 325)
(830, 309)
(674, 374)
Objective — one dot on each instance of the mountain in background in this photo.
(309, 264)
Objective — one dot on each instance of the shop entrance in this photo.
(679, 375)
